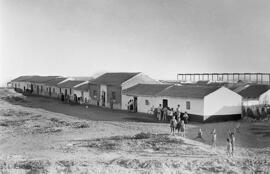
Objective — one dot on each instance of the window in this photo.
(147, 102)
(113, 95)
(188, 105)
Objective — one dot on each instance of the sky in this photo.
(158, 37)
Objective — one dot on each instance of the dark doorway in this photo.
(65, 92)
(37, 89)
(103, 99)
(32, 88)
(24, 89)
(135, 104)
(75, 98)
(165, 103)
(50, 91)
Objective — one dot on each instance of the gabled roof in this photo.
(254, 91)
(41, 79)
(70, 83)
(55, 81)
(84, 87)
(113, 78)
(188, 91)
(145, 89)
(21, 78)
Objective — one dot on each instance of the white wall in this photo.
(250, 102)
(139, 79)
(196, 105)
(265, 98)
(222, 102)
(141, 105)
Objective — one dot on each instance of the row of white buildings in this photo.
(203, 102)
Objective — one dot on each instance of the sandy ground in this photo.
(40, 135)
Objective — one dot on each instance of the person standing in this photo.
(186, 117)
(165, 112)
(214, 138)
(178, 111)
(170, 112)
(229, 147)
(183, 128)
(178, 125)
(173, 125)
(232, 138)
(159, 112)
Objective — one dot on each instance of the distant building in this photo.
(37, 84)
(51, 88)
(254, 94)
(259, 78)
(66, 89)
(106, 90)
(202, 103)
(21, 83)
(82, 92)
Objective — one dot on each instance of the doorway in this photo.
(135, 104)
(65, 92)
(103, 98)
(50, 91)
(165, 103)
(37, 89)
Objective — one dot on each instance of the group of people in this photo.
(179, 125)
(167, 113)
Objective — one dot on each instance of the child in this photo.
(183, 128)
(173, 125)
(214, 138)
(199, 136)
(178, 125)
(229, 147)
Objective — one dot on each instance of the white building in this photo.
(255, 94)
(66, 89)
(106, 90)
(21, 84)
(202, 103)
(51, 89)
(82, 93)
